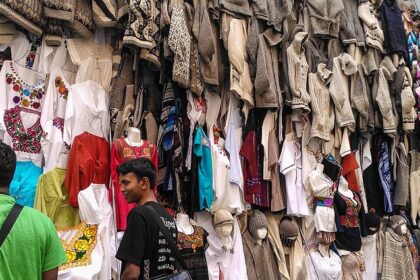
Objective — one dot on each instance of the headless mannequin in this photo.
(183, 224)
(133, 137)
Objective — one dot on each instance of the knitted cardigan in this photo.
(367, 11)
(343, 67)
(298, 72)
(394, 33)
(325, 17)
(322, 111)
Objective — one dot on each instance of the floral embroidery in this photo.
(194, 241)
(59, 123)
(24, 140)
(79, 249)
(61, 87)
(351, 218)
(25, 95)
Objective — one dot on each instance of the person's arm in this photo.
(131, 272)
(50, 274)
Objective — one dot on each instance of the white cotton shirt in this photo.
(52, 120)
(370, 256)
(94, 208)
(228, 196)
(231, 265)
(291, 167)
(325, 268)
(87, 111)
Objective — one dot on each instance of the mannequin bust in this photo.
(223, 224)
(258, 226)
(343, 188)
(183, 224)
(133, 137)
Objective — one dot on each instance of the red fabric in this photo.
(350, 165)
(256, 190)
(88, 163)
(121, 152)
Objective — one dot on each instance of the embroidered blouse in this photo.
(52, 119)
(20, 106)
(121, 152)
(192, 248)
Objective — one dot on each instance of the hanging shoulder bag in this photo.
(9, 222)
(182, 274)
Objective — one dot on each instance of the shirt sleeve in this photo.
(54, 252)
(198, 149)
(73, 174)
(133, 244)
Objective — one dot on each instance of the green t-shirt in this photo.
(32, 245)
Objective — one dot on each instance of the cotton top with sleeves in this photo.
(192, 248)
(52, 200)
(121, 152)
(20, 110)
(325, 17)
(143, 244)
(87, 110)
(350, 222)
(42, 250)
(52, 119)
(93, 59)
(202, 150)
(291, 167)
(228, 196)
(94, 208)
(324, 267)
(88, 163)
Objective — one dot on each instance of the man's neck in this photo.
(149, 197)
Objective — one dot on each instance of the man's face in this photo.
(131, 187)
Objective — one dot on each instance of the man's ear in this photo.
(144, 183)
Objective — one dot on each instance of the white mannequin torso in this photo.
(133, 137)
(183, 224)
(343, 188)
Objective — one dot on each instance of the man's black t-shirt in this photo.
(144, 245)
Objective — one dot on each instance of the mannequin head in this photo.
(289, 231)
(258, 225)
(223, 224)
(399, 225)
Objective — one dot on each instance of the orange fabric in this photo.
(349, 165)
(88, 163)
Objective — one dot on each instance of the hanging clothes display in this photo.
(289, 130)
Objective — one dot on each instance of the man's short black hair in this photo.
(7, 165)
(141, 167)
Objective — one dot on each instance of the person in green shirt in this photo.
(32, 249)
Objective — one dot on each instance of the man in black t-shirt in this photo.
(144, 252)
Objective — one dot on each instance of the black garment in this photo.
(144, 245)
(348, 238)
(394, 33)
